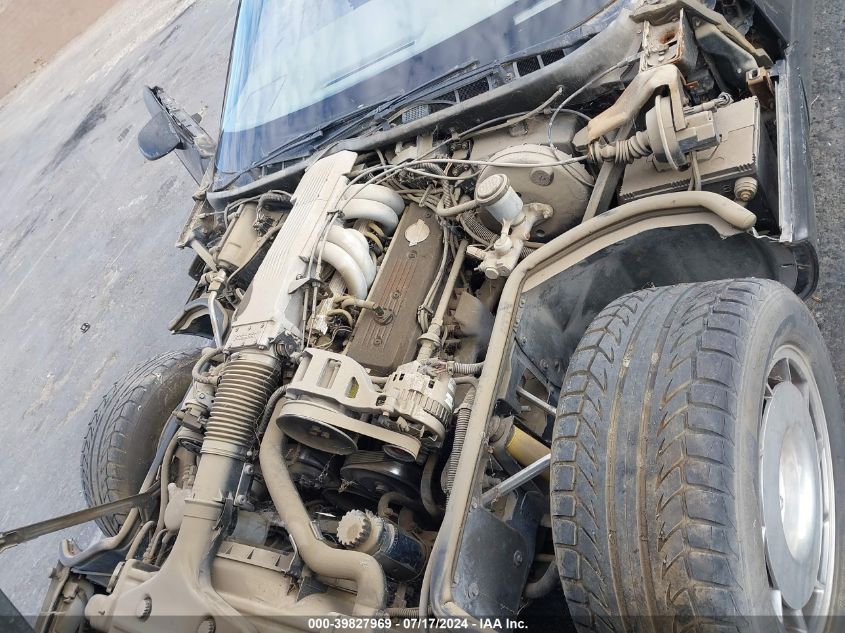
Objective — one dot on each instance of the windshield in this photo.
(298, 65)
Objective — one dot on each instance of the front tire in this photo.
(698, 439)
(123, 434)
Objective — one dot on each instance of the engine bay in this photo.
(350, 319)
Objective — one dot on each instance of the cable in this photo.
(518, 118)
(197, 372)
(589, 83)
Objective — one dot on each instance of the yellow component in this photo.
(525, 449)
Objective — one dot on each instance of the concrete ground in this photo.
(88, 229)
(87, 236)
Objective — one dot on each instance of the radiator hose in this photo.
(461, 425)
(318, 555)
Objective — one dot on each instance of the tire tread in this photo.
(688, 499)
(105, 451)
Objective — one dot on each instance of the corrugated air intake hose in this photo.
(246, 383)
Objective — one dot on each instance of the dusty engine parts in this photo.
(503, 256)
(311, 469)
(374, 474)
(743, 153)
(406, 274)
(401, 555)
(330, 392)
(245, 386)
(269, 311)
(247, 226)
(668, 142)
(565, 188)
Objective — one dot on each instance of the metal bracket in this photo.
(29, 532)
(241, 493)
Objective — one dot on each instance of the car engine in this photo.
(318, 444)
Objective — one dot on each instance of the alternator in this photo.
(422, 399)
(330, 393)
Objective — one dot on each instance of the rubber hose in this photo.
(405, 612)
(246, 383)
(165, 480)
(544, 584)
(477, 227)
(136, 542)
(396, 497)
(426, 491)
(466, 369)
(460, 435)
(269, 408)
(318, 555)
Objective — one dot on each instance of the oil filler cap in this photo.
(354, 528)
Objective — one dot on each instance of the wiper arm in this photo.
(354, 119)
(313, 134)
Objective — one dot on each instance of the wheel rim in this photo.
(796, 492)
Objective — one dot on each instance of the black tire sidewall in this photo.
(124, 431)
(781, 320)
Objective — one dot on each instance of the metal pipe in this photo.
(69, 559)
(515, 481)
(348, 268)
(456, 210)
(318, 555)
(359, 208)
(355, 244)
(431, 339)
(378, 193)
(347, 302)
(545, 406)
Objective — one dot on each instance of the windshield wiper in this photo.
(353, 120)
(313, 134)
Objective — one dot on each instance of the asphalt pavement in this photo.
(89, 277)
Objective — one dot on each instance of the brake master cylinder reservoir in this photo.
(496, 194)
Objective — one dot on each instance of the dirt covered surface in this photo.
(91, 278)
(33, 31)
